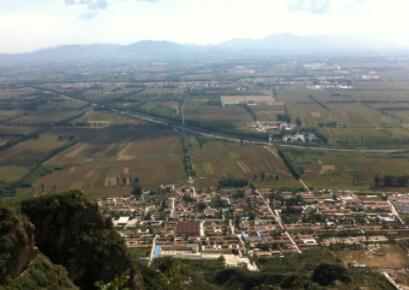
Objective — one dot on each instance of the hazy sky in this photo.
(31, 24)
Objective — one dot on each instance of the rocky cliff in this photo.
(67, 230)
(16, 243)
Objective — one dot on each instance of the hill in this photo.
(275, 44)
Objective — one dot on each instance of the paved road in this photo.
(280, 223)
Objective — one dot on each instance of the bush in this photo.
(326, 274)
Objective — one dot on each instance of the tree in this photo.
(326, 274)
(378, 181)
(298, 122)
(136, 187)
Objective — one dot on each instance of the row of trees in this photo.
(233, 182)
(290, 164)
(391, 181)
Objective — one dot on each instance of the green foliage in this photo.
(233, 182)
(326, 274)
(29, 179)
(136, 187)
(187, 198)
(13, 240)
(296, 172)
(391, 181)
(200, 207)
(284, 118)
(71, 232)
(217, 202)
(41, 274)
(298, 122)
(119, 283)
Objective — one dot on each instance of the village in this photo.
(247, 224)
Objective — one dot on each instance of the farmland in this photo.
(99, 119)
(106, 161)
(228, 118)
(346, 170)
(17, 161)
(389, 256)
(213, 160)
(102, 122)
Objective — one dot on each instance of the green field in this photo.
(228, 117)
(16, 161)
(267, 113)
(167, 109)
(347, 170)
(213, 160)
(350, 115)
(104, 119)
(105, 160)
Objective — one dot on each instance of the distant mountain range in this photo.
(275, 44)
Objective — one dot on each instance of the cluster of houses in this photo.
(266, 126)
(307, 137)
(243, 225)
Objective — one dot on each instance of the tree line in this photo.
(391, 181)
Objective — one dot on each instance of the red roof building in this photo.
(188, 228)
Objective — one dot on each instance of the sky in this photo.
(27, 25)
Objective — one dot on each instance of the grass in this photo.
(386, 256)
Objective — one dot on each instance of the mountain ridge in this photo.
(278, 43)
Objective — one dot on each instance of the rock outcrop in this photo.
(17, 247)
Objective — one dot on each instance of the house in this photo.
(191, 228)
(297, 138)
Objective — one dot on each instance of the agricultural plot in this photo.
(45, 117)
(3, 141)
(402, 114)
(9, 114)
(351, 124)
(346, 170)
(164, 91)
(373, 92)
(199, 101)
(213, 160)
(62, 103)
(365, 137)
(350, 115)
(10, 130)
(107, 161)
(165, 109)
(16, 161)
(229, 117)
(15, 92)
(383, 256)
(267, 113)
(104, 119)
(104, 91)
(293, 94)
